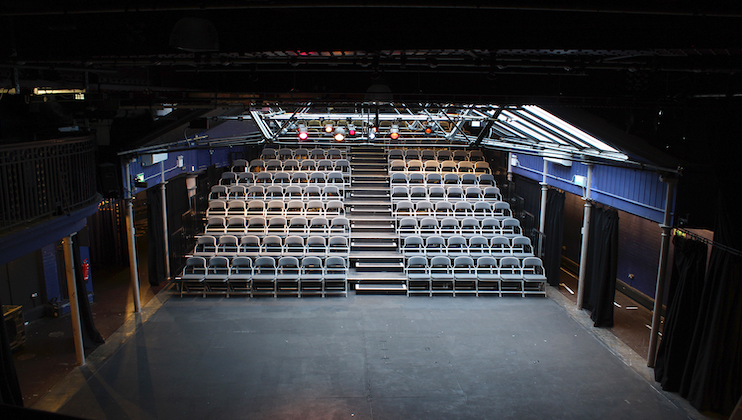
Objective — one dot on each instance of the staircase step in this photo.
(383, 288)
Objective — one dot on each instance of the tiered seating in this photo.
(265, 276)
(458, 236)
(279, 229)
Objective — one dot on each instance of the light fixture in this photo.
(351, 130)
(339, 134)
(371, 132)
(328, 128)
(394, 132)
(303, 132)
(429, 129)
(51, 91)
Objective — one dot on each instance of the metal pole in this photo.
(542, 221)
(660, 290)
(510, 167)
(72, 292)
(165, 232)
(585, 234)
(133, 264)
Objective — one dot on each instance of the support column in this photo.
(69, 263)
(510, 167)
(661, 272)
(165, 231)
(585, 235)
(133, 263)
(542, 221)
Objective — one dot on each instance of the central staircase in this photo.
(376, 265)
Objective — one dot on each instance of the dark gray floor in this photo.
(380, 357)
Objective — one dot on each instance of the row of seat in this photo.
(284, 178)
(434, 179)
(417, 165)
(474, 246)
(457, 155)
(488, 275)
(291, 165)
(468, 226)
(264, 277)
(278, 192)
(301, 153)
(292, 208)
(272, 245)
(442, 193)
(406, 208)
(278, 225)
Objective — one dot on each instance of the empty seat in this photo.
(534, 276)
(459, 155)
(316, 245)
(269, 153)
(293, 192)
(456, 246)
(283, 154)
(511, 276)
(488, 276)
(290, 165)
(218, 192)
(229, 246)
(398, 165)
(416, 178)
(465, 166)
(240, 276)
(299, 178)
(308, 165)
(486, 179)
(490, 226)
(216, 208)
(264, 178)
(293, 245)
(455, 193)
(463, 208)
(310, 280)
(413, 245)
(313, 191)
(256, 165)
(407, 226)
(335, 178)
(236, 225)
(340, 226)
(470, 226)
(298, 226)
(433, 179)
(482, 209)
(325, 165)
(418, 192)
(448, 166)
(228, 178)
(424, 208)
(274, 191)
(449, 226)
(469, 179)
(436, 193)
(443, 208)
(255, 191)
(464, 275)
(473, 193)
(334, 207)
(444, 155)
(500, 246)
(478, 246)
(510, 226)
(245, 178)
(277, 225)
(331, 191)
(215, 225)
(342, 165)
(236, 192)
(334, 154)
(317, 178)
(256, 225)
(273, 165)
(441, 276)
(317, 154)
(396, 154)
(411, 154)
(400, 192)
(450, 179)
(255, 208)
(435, 245)
(301, 153)
(319, 225)
(205, 246)
(264, 276)
(476, 155)
(338, 245)
(501, 208)
(428, 226)
(399, 178)
(492, 194)
(335, 276)
(236, 208)
(216, 280)
(275, 207)
(427, 154)
(418, 278)
(249, 246)
(315, 207)
(404, 208)
(287, 277)
(281, 178)
(191, 279)
(482, 167)
(295, 207)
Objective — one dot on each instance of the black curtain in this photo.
(686, 288)
(554, 232)
(711, 378)
(178, 214)
(10, 389)
(156, 252)
(602, 266)
(90, 335)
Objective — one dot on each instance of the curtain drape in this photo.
(686, 288)
(156, 251)
(554, 232)
(602, 266)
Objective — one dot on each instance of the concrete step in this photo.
(379, 266)
(381, 288)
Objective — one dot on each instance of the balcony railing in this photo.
(44, 179)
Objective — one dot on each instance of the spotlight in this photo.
(394, 132)
(428, 129)
(303, 132)
(328, 128)
(371, 132)
(351, 130)
(339, 134)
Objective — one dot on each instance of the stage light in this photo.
(303, 132)
(351, 130)
(328, 128)
(428, 129)
(339, 134)
(371, 132)
(394, 132)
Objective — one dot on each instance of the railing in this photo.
(45, 179)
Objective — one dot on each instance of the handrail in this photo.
(44, 179)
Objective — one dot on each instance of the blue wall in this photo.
(632, 190)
